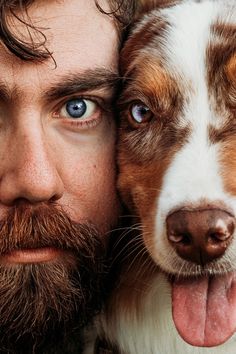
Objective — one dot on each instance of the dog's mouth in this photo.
(204, 309)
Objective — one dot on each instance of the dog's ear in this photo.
(144, 6)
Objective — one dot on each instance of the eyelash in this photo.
(87, 122)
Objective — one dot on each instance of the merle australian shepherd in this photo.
(176, 289)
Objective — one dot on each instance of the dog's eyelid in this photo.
(125, 104)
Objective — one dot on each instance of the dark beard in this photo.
(43, 303)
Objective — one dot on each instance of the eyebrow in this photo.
(5, 93)
(73, 83)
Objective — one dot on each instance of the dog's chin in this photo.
(190, 270)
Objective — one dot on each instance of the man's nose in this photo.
(29, 168)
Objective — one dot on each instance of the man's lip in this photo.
(30, 255)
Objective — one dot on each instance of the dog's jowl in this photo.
(176, 291)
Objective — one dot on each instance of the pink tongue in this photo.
(204, 309)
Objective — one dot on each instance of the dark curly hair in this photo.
(122, 10)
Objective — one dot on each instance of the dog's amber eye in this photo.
(140, 113)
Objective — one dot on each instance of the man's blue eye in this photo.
(76, 108)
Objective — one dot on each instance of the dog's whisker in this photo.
(124, 235)
(123, 251)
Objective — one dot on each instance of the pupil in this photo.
(76, 108)
(142, 110)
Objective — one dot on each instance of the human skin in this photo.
(49, 158)
(45, 154)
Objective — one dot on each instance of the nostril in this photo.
(175, 237)
(184, 238)
(218, 236)
(222, 232)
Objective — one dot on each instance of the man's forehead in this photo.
(79, 37)
(41, 13)
(71, 27)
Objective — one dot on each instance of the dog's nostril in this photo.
(219, 236)
(200, 236)
(184, 238)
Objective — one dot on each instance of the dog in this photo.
(175, 291)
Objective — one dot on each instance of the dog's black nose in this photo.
(200, 236)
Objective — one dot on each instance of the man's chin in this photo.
(41, 302)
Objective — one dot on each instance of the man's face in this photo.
(56, 155)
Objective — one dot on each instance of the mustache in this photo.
(45, 226)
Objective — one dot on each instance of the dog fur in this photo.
(179, 62)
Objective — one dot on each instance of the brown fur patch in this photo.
(148, 81)
(152, 85)
(143, 186)
(220, 56)
(224, 133)
(152, 28)
(228, 164)
(221, 71)
(230, 69)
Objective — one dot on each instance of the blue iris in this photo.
(76, 108)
